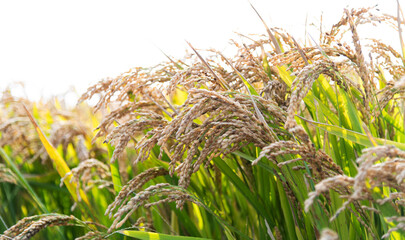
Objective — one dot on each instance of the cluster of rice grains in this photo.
(222, 114)
(382, 166)
(191, 112)
(27, 227)
(87, 177)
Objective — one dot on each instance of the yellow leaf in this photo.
(61, 167)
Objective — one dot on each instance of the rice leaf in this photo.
(287, 213)
(353, 136)
(61, 167)
(222, 82)
(115, 172)
(249, 86)
(302, 53)
(243, 188)
(351, 112)
(22, 181)
(266, 65)
(154, 236)
(401, 40)
(271, 35)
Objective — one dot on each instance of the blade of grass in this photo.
(22, 181)
(170, 59)
(220, 79)
(266, 65)
(318, 46)
(401, 40)
(115, 172)
(250, 88)
(351, 111)
(61, 167)
(153, 236)
(271, 35)
(227, 171)
(369, 135)
(353, 136)
(287, 213)
(302, 53)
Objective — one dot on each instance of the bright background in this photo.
(52, 45)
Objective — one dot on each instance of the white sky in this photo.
(51, 45)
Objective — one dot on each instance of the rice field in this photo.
(278, 141)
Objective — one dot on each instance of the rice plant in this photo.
(279, 141)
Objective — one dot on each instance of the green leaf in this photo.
(155, 236)
(252, 90)
(286, 209)
(22, 181)
(115, 172)
(351, 112)
(353, 136)
(245, 191)
(266, 65)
